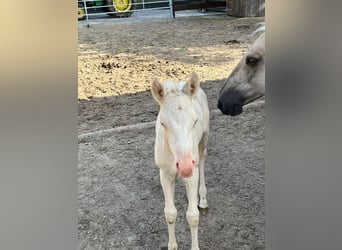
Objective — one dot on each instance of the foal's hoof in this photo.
(203, 211)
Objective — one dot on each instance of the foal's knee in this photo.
(202, 191)
(193, 218)
(170, 215)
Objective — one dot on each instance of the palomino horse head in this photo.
(247, 81)
(176, 122)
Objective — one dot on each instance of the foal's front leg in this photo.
(203, 204)
(168, 184)
(192, 214)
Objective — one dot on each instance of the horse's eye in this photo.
(251, 61)
(163, 124)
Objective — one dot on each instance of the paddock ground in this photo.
(120, 198)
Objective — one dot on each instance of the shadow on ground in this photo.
(127, 109)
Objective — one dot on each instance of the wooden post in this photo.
(245, 8)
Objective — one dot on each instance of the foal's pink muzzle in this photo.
(185, 166)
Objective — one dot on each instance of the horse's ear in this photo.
(157, 90)
(192, 85)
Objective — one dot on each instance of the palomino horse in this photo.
(247, 81)
(182, 129)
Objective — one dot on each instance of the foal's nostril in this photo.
(177, 165)
(193, 162)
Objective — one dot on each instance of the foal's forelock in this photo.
(177, 106)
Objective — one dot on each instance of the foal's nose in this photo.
(185, 166)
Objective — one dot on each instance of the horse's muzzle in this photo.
(230, 108)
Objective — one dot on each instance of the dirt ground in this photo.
(120, 197)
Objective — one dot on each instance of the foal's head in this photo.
(247, 81)
(177, 121)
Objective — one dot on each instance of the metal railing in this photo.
(119, 8)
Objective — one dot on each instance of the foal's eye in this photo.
(251, 61)
(195, 122)
(163, 124)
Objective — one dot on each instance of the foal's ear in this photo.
(157, 90)
(192, 85)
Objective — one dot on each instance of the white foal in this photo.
(182, 129)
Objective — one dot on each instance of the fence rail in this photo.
(119, 8)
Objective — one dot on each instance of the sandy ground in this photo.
(120, 197)
(123, 58)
